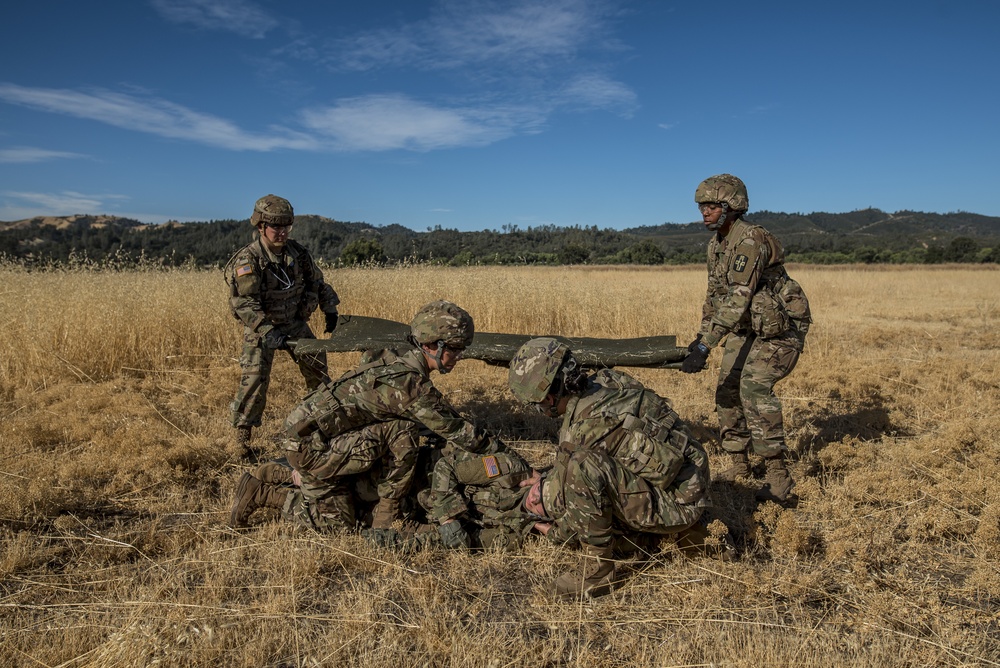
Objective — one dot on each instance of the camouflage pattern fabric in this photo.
(749, 411)
(640, 429)
(591, 493)
(373, 414)
(385, 453)
(765, 315)
(266, 292)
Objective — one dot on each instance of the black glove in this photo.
(696, 359)
(694, 344)
(275, 340)
(454, 536)
(331, 321)
(385, 538)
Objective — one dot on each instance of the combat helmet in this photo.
(535, 368)
(725, 189)
(272, 209)
(443, 321)
(552, 492)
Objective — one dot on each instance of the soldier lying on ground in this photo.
(587, 500)
(367, 422)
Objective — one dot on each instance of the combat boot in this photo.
(594, 577)
(778, 482)
(274, 473)
(739, 469)
(243, 441)
(385, 513)
(252, 494)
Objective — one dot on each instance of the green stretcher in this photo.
(359, 333)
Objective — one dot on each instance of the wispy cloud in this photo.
(467, 32)
(597, 91)
(238, 16)
(66, 203)
(154, 116)
(29, 154)
(384, 122)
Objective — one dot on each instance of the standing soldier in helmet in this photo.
(274, 286)
(761, 316)
(367, 423)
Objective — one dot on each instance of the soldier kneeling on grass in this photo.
(365, 426)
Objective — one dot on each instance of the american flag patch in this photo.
(244, 270)
(492, 468)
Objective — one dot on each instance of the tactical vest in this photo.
(329, 411)
(281, 285)
(643, 432)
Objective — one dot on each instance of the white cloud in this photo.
(386, 122)
(154, 116)
(66, 203)
(599, 92)
(29, 154)
(238, 16)
(468, 32)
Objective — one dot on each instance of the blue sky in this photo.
(476, 114)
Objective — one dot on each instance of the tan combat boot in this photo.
(243, 441)
(273, 473)
(252, 494)
(778, 482)
(595, 576)
(739, 469)
(385, 513)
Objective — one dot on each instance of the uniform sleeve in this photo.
(244, 279)
(746, 264)
(432, 410)
(708, 308)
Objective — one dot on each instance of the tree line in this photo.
(868, 236)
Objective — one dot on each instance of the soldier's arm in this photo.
(325, 294)
(708, 307)
(245, 281)
(434, 412)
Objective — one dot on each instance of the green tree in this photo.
(365, 250)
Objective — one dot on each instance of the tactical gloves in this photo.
(454, 536)
(697, 358)
(275, 340)
(694, 344)
(331, 321)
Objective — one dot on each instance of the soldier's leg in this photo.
(768, 362)
(251, 396)
(400, 442)
(587, 491)
(733, 431)
(312, 365)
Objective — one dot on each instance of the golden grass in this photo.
(118, 469)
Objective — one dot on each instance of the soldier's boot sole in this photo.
(245, 502)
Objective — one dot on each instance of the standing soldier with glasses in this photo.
(762, 316)
(274, 287)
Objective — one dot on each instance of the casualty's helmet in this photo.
(443, 321)
(553, 498)
(535, 368)
(272, 209)
(725, 189)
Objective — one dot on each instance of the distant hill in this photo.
(867, 235)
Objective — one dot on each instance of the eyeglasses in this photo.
(454, 350)
(280, 228)
(708, 206)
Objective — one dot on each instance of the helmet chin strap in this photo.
(717, 225)
(438, 354)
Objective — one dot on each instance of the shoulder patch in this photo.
(491, 466)
(739, 264)
(244, 269)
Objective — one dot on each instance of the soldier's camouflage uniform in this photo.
(657, 472)
(369, 417)
(268, 291)
(763, 315)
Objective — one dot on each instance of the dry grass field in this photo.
(117, 472)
